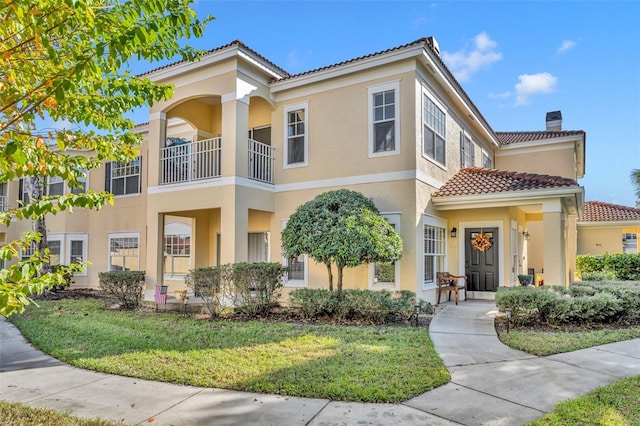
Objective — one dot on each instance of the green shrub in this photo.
(125, 286)
(67, 275)
(580, 304)
(598, 276)
(257, 286)
(210, 284)
(252, 288)
(377, 307)
(624, 266)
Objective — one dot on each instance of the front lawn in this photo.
(544, 343)
(17, 414)
(617, 404)
(369, 364)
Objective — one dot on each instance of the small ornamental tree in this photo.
(340, 227)
(66, 60)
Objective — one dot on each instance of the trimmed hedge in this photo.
(252, 288)
(623, 266)
(125, 286)
(377, 307)
(582, 303)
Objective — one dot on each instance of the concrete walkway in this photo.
(491, 385)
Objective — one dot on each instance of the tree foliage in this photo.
(340, 227)
(635, 181)
(66, 60)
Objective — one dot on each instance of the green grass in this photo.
(617, 404)
(549, 343)
(369, 364)
(16, 414)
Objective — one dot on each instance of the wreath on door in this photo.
(481, 242)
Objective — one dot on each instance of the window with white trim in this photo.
(77, 246)
(177, 249)
(55, 186)
(629, 243)
(467, 151)
(27, 252)
(23, 192)
(384, 112)
(386, 275)
(124, 251)
(296, 142)
(487, 161)
(55, 244)
(123, 178)
(434, 249)
(434, 131)
(298, 273)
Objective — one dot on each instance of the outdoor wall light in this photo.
(526, 235)
(454, 232)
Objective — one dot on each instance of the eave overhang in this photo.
(573, 199)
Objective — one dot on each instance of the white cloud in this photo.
(464, 63)
(503, 95)
(566, 45)
(534, 84)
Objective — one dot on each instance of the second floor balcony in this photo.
(199, 160)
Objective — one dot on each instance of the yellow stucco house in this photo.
(242, 143)
(608, 228)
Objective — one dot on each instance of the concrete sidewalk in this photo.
(491, 385)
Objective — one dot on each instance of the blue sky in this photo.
(516, 60)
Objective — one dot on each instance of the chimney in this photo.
(434, 44)
(554, 121)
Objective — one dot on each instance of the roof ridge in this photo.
(523, 175)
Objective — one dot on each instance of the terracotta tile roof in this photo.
(236, 43)
(597, 211)
(507, 138)
(475, 181)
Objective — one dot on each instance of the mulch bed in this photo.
(281, 314)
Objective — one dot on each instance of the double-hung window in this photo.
(434, 131)
(386, 275)
(487, 162)
(123, 178)
(124, 251)
(24, 191)
(434, 249)
(177, 249)
(77, 246)
(384, 128)
(467, 151)
(296, 144)
(55, 186)
(297, 268)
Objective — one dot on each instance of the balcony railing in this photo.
(3, 203)
(202, 160)
(191, 161)
(261, 161)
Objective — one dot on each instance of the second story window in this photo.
(435, 132)
(384, 129)
(296, 139)
(123, 178)
(467, 151)
(3, 197)
(487, 162)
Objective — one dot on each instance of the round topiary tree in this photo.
(340, 227)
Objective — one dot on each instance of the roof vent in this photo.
(554, 121)
(434, 44)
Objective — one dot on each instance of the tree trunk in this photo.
(330, 276)
(340, 269)
(35, 190)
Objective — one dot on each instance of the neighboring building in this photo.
(242, 143)
(608, 228)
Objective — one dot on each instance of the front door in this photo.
(481, 266)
